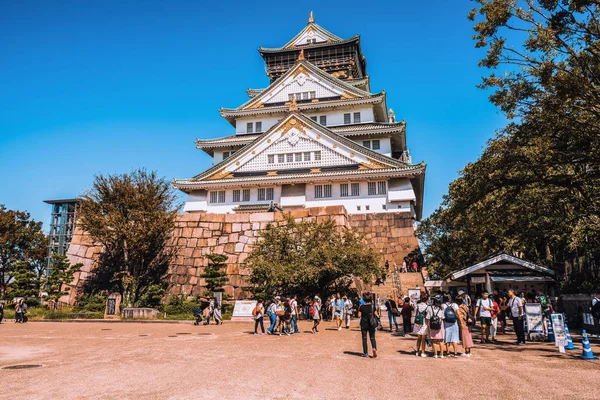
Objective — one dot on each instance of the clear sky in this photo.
(90, 87)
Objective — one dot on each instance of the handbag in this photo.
(374, 319)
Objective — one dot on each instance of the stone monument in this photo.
(113, 306)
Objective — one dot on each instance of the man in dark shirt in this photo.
(406, 313)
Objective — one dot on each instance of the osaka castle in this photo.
(316, 135)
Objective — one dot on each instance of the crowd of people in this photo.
(443, 322)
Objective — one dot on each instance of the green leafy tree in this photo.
(25, 281)
(534, 191)
(214, 274)
(61, 274)
(132, 217)
(309, 257)
(22, 241)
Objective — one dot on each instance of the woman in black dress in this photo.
(368, 323)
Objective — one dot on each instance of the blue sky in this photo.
(89, 87)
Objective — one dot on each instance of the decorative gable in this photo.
(295, 143)
(305, 81)
(309, 35)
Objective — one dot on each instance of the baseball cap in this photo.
(461, 292)
(277, 298)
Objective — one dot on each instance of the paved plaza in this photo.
(182, 361)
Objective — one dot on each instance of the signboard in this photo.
(414, 295)
(477, 279)
(560, 334)
(533, 313)
(243, 309)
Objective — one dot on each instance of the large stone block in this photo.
(261, 217)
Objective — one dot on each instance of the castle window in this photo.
(217, 197)
(307, 156)
(289, 157)
(356, 117)
(226, 154)
(265, 194)
(314, 118)
(367, 144)
(298, 157)
(376, 145)
(280, 158)
(322, 191)
(246, 195)
(236, 196)
(344, 190)
(347, 119)
(249, 127)
(317, 155)
(355, 189)
(271, 158)
(323, 120)
(377, 188)
(258, 127)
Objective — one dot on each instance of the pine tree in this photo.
(25, 281)
(61, 273)
(214, 274)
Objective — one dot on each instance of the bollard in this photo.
(570, 345)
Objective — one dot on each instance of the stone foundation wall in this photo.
(197, 235)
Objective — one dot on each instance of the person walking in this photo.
(258, 313)
(19, 312)
(483, 310)
(284, 324)
(465, 320)
(217, 313)
(368, 324)
(420, 328)
(516, 308)
(331, 308)
(338, 311)
(434, 318)
(1, 311)
(294, 317)
(272, 312)
(315, 313)
(347, 311)
(406, 313)
(392, 312)
(451, 332)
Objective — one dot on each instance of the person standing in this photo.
(406, 313)
(258, 313)
(284, 318)
(1, 311)
(338, 311)
(434, 318)
(392, 312)
(315, 312)
(294, 317)
(420, 328)
(464, 319)
(516, 308)
(347, 311)
(217, 313)
(19, 312)
(404, 266)
(483, 309)
(451, 333)
(494, 321)
(415, 266)
(272, 312)
(368, 324)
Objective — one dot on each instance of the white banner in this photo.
(533, 313)
(560, 334)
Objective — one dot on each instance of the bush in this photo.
(153, 297)
(32, 303)
(91, 303)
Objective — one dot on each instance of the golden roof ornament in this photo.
(391, 116)
(301, 55)
(293, 104)
(311, 18)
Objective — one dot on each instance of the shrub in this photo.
(91, 303)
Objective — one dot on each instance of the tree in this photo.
(534, 191)
(22, 240)
(213, 274)
(309, 257)
(132, 217)
(25, 281)
(61, 274)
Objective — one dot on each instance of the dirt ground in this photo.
(181, 361)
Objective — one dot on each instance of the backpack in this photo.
(420, 317)
(311, 311)
(470, 319)
(374, 319)
(450, 315)
(255, 311)
(543, 300)
(435, 322)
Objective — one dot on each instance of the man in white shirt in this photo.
(294, 319)
(483, 311)
(516, 308)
